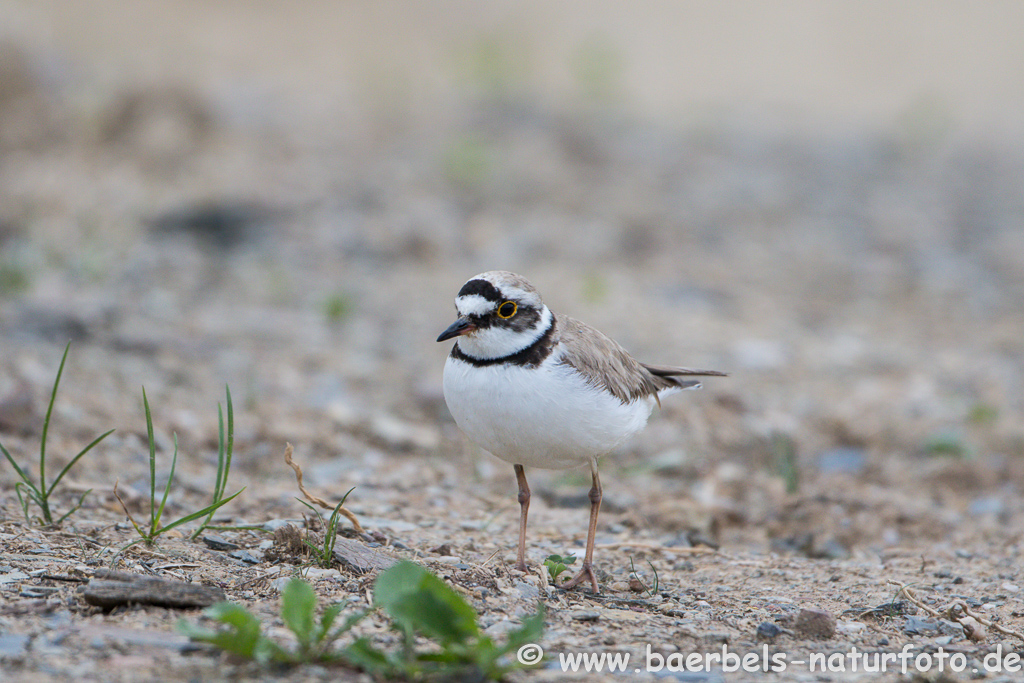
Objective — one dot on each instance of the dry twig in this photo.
(954, 611)
(314, 499)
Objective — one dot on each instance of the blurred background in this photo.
(825, 200)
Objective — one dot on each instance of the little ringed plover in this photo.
(543, 391)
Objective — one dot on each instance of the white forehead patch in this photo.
(517, 294)
(473, 304)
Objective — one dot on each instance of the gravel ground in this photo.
(861, 286)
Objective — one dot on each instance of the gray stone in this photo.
(986, 505)
(843, 460)
(528, 591)
(917, 626)
(767, 632)
(12, 577)
(215, 542)
(14, 645)
(585, 615)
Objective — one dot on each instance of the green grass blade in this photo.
(152, 460)
(21, 473)
(22, 500)
(217, 490)
(74, 508)
(225, 449)
(230, 449)
(315, 511)
(46, 423)
(167, 488)
(75, 459)
(209, 509)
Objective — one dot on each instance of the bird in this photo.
(539, 390)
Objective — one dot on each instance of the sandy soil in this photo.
(191, 228)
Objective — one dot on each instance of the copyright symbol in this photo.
(530, 654)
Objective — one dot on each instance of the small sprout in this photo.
(468, 162)
(557, 564)
(324, 553)
(150, 533)
(225, 450)
(786, 463)
(595, 288)
(637, 584)
(337, 307)
(14, 278)
(26, 489)
(982, 414)
(946, 445)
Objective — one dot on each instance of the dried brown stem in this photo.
(314, 499)
(950, 611)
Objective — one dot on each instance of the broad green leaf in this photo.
(364, 655)
(420, 601)
(241, 639)
(298, 605)
(331, 613)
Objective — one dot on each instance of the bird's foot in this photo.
(585, 572)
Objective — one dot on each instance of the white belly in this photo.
(545, 417)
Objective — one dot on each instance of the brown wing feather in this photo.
(673, 371)
(607, 365)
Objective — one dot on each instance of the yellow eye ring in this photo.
(507, 310)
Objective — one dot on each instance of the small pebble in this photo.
(215, 542)
(767, 632)
(850, 627)
(246, 556)
(814, 622)
(843, 460)
(528, 591)
(917, 626)
(585, 616)
(951, 629)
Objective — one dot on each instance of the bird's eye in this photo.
(507, 310)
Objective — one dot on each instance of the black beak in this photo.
(459, 327)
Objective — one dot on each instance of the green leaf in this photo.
(364, 655)
(420, 602)
(530, 632)
(346, 626)
(21, 473)
(241, 639)
(74, 508)
(75, 459)
(167, 489)
(331, 613)
(46, 431)
(196, 515)
(298, 604)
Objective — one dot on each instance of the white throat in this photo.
(497, 342)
